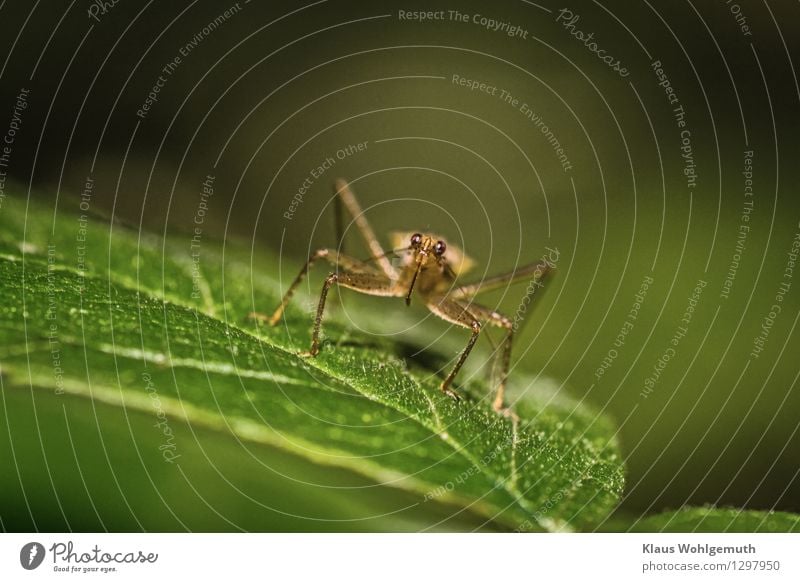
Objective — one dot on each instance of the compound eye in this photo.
(440, 248)
(416, 240)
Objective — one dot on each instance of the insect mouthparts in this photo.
(413, 280)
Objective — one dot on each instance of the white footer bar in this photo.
(389, 557)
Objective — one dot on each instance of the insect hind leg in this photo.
(497, 319)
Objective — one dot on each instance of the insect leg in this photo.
(345, 196)
(475, 316)
(505, 363)
(276, 315)
(535, 272)
(329, 280)
(330, 255)
(451, 311)
(497, 319)
(366, 281)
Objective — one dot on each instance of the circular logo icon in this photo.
(31, 555)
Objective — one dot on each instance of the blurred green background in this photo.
(270, 92)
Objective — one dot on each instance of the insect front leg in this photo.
(323, 296)
(344, 197)
(276, 315)
(333, 257)
(365, 281)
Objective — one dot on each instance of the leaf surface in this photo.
(101, 316)
(711, 519)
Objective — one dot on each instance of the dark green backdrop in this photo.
(274, 90)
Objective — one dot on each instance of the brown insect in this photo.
(429, 266)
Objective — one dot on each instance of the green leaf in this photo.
(711, 519)
(145, 343)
